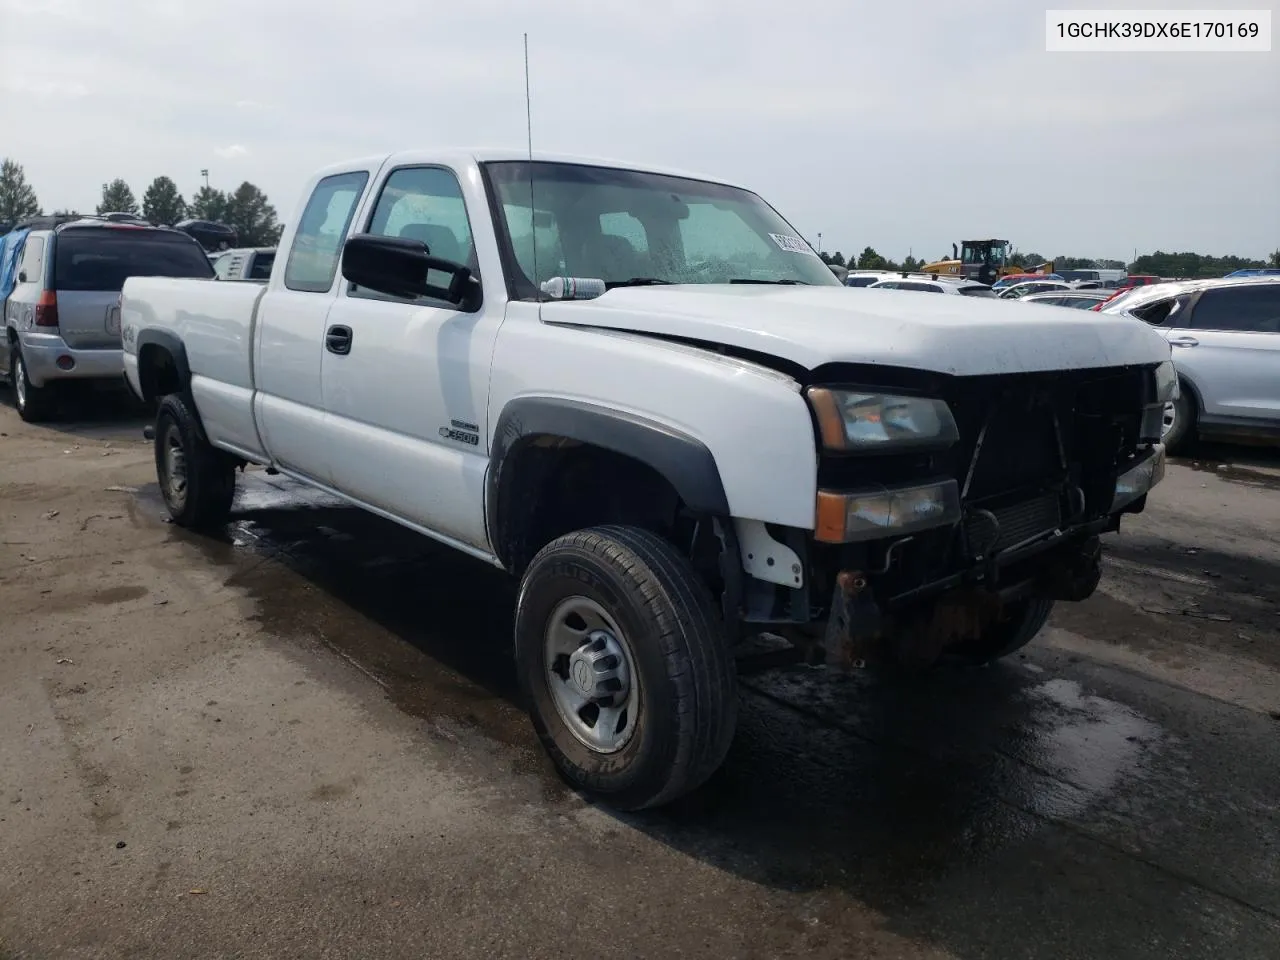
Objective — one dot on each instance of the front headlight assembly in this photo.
(857, 422)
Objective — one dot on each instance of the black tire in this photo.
(1007, 636)
(1183, 428)
(204, 499)
(686, 698)
(35, 404)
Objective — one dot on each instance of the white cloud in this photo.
(900, 125)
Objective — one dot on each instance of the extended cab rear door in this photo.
(289, 334)
(91, 264)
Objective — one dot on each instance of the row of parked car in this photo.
(1224, 335)
(60, 286)
(60, 283)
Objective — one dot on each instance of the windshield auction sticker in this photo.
(792, 244)
(1158, 31)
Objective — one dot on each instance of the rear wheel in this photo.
(35, 404)
(629, 679)
(197, 481)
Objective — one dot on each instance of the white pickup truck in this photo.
(646, 397)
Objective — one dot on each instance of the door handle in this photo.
(337, 339)
(1184, 342)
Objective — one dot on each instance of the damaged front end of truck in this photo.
(952, 511)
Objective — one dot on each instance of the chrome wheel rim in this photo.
(175, 468)
(20, 383)
(1170, 419)
(590, 674)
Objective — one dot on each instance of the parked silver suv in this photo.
(62, 320)
(1225, 336)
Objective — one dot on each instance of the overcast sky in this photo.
(905, 126)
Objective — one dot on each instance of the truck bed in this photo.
(216, 323)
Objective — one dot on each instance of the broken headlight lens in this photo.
(855, 421)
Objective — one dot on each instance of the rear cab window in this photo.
(103, 258)
(260, 267)
(317, 243)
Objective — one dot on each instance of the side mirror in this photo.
(400, 267)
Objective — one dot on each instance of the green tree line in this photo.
(245, 209)
(1159, 264)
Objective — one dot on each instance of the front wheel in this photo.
(627, 674)
(1008, 635)
(197, 481)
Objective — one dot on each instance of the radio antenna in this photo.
(533, 218)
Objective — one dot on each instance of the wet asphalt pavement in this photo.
(1114, 792)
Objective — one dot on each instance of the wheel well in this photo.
(157, 372)
(551, 485)
(1186, 383)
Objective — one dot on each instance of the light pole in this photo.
(205, 174)
(819, 244)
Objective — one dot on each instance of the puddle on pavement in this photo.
(882, 788)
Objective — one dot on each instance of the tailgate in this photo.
(88, 319)
(91, 265)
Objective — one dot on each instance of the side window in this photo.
(922, 287)
(424, 203)
(1156, 313)
(317, 245)
(1248, 309)
(32, 262)
(887, 285)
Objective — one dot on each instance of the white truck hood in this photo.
(810, 326)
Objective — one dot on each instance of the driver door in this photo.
(405, 383)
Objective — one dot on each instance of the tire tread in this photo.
(698, 660)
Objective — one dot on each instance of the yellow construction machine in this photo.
(984, 260)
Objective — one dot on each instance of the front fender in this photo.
(731, 436)
(684, 461)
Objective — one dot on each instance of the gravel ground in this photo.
(299, 740)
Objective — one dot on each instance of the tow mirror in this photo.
(401, 267)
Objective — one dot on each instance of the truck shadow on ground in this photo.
(882, 789)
